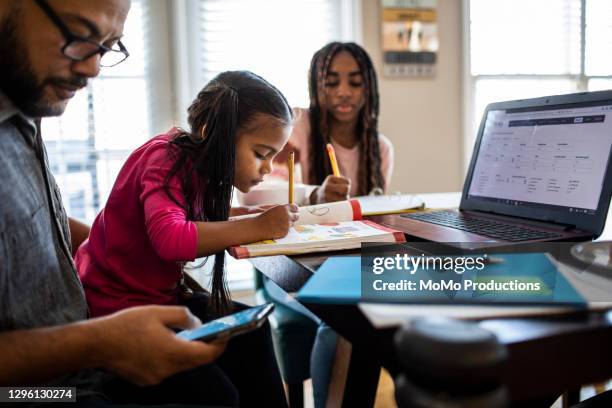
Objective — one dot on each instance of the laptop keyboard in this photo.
(480, 226)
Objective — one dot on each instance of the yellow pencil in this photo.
(332, 158)
(290, 165)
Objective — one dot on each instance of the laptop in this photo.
(540, 171)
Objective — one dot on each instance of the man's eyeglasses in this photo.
(79, 49)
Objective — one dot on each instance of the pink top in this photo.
(348, 159)
(136, 243)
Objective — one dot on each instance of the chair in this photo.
(293, 335)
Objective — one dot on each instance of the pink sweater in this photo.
(348, 159)
(136, 243)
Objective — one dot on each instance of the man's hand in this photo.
(138, 344)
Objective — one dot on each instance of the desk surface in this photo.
(547, 355)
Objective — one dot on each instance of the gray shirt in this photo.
(39, 285)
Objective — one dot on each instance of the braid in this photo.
(319, 115)
(370, 174)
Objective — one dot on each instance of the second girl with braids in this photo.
(344, 108)
(170, 204)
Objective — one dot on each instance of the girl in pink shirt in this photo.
(171, 200)
(344, 108)
(170, 204)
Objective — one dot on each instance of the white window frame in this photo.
(470, 126)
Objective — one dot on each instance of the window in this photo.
(102, 124)
(275, 39)
(127, 104)
(523, 48)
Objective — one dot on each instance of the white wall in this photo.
(423, 117)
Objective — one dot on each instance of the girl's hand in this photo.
(333, 189)
(276, 221)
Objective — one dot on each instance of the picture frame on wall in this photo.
(409, 32)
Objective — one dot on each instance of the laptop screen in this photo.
(544, 156)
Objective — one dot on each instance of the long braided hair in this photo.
(205, 156)
(370, 174)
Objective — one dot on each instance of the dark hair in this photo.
(204, 157)
(370, 175)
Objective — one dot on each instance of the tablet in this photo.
(229, 326)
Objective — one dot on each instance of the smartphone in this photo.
(229, 326)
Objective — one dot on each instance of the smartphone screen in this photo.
(232, 322)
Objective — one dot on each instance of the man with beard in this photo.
(48, 50)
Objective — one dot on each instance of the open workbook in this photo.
(321, 228)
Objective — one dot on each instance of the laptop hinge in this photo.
(549, 224)
(553, 225)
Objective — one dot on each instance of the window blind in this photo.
(275, 39)
(599, 38)
(525, 36)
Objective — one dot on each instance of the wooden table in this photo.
(547, 356)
